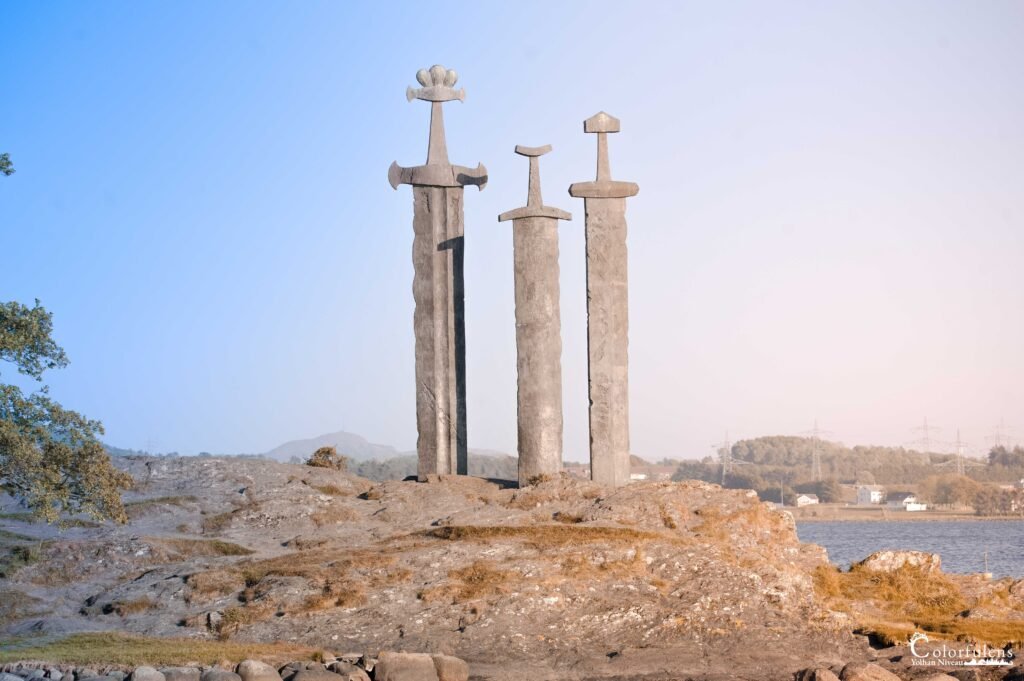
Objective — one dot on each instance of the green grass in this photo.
(107, 648)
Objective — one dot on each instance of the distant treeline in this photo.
(775, 464)
(401, 467)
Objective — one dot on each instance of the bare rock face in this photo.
(889, 561)
(405, 667)
(866, 671)
(562, 578)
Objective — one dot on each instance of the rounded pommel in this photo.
(438, 85)
(532, 151)
(601, 122)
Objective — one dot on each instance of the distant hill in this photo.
(351, 445)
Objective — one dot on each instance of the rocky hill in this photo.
(565, 579)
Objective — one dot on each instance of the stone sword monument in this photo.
(438, 290)
(538, 327)
(607, 311)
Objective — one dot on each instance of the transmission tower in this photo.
(1002, 435)
(926, 440)
(959, 461)
(816, 434)
(724, 449)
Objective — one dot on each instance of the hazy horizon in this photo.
(830, 224)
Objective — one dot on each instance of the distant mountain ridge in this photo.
(353, 446)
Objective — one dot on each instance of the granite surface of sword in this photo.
(438, 290)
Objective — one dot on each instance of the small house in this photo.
(905, 501)
(870, 494)
(806, 499)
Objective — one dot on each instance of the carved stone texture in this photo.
(607, 311)
(538, 328)
(438, 285)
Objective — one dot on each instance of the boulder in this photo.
(405, 667)
(86, 673)
(450, 668)
(147, 674)
(36, 674)
(348, 671)
(54, 674)
(865, 671)
(181, 673)
(316, 675)
(890, 561)
(938, 677)
(116, 674)
(216, 674)
(254, 670)
(817, 674)
(5, 676)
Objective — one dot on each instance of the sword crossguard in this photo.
(534, 207)
(437, 87)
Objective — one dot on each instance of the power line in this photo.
(816, 434)
(724, 449)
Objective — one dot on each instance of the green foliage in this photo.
(50, 457)
(6, 167)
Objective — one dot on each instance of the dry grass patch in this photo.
(212, 524)
(108, 648)
(334, 514)
(15, 605)
(580, 566)
(332, 490)
(131, 607)
(212, 584)
(891, 606)
(201, 547)
(479, 580)
(546, 536)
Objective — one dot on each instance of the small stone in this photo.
(147, 674)
(405, 667)
(890, 561)
(865, 671)
(254, 670)
(54, 674)
(5, 676)
(817, 674)
(36, 674)
(938, 677)
(348, 671)
(216, 674)
(86, 673)
(316, 675)
(450, 668)
(116, 674)
(181, 673)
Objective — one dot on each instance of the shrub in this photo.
(328, 457)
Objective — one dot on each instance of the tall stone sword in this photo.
(538, 327)
(607, 311)
(438, 288)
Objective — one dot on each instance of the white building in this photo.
(806, 499)
(905, 501)
(870, 494)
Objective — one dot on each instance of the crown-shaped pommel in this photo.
(438, 85)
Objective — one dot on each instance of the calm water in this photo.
(962, 545)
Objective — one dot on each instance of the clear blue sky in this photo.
(830, 221)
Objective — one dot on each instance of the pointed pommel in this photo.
(534, 207)
(604, 187)
(438, 85)
(601, 122)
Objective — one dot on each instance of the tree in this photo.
(51, 458)
(6, 167)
